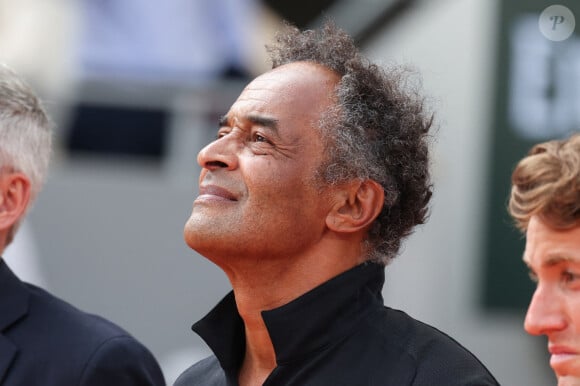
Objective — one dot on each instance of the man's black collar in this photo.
(315, 320)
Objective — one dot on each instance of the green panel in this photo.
(537, 97)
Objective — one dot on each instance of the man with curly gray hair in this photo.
(318, 172)
(545, 205)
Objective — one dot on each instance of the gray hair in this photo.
(25, 130)
(378, 130)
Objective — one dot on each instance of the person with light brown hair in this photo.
(545, 204)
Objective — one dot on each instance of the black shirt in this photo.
(339, 333)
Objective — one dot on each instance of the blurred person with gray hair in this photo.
(45, 341)
(545, 205)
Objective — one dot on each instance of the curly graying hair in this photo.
(378, 130)
(547, 183)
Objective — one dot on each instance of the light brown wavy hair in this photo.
(547, 183)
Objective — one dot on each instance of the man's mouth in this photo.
(213, 192)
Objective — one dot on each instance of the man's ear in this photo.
(14, 198)
(359, 204)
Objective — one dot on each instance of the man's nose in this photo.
(546, 312)
(221, 153)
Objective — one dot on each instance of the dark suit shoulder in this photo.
(58, 344)
(206, 372)
(67, 321)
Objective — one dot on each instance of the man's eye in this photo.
(569, 277)
(259, 138)
(221, 134)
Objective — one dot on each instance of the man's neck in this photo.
(259, 358)
(268, 285)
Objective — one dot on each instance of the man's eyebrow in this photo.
(255, 119)
(556, 258)
(223, 121)
(263, 121)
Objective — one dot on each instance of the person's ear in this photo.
(359, 204)
(14, 198)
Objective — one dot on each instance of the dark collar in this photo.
(14, 302)
(14, 297)
(315, 320)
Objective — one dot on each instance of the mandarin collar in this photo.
(313, 321)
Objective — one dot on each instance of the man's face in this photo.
(553, 257)
(258, 197)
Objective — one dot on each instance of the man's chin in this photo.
(197, 238)
(568, 380)
(191, 233)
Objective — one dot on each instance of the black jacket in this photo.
(339, 334)
(45, 341)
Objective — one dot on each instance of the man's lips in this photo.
(561, 350)
(215, 192)
(562, 357)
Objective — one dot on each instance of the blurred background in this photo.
(136, 89)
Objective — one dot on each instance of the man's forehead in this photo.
(549, 247)
(298, 73)
(302, 87)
